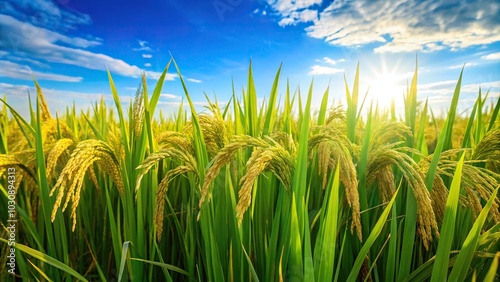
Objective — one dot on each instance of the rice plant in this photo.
(252, 192)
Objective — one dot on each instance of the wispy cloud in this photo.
(194, 80)
(492, 56)
(322, 70)
(398, 25)
(297, 17)
(147, 56)
(294, 12)
(437, 84)
(30, 62)
(460, 66)
(285, 7)
(443, 90)
(331, 61)
(13, 70)
(170, 96)
(147, 64)
(48, 14)
(142, 46)
(17, 95)
(44, 44)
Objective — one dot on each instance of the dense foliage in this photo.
(271, 192)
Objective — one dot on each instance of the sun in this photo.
(386, 87)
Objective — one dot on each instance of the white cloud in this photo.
(45, 13)
(293, 12)
(147, 56)
(297, 17)
(332, 61)
(320, 70)
(170, 96)
(443, 90)
(460, 66)
(194, 80)
(147, 64)
(437, 84)
(58, 100)
(398, 25)
(492, 56)
(43, 44)
(13, 70)
(148, 49)
(30, 62)
(143, 47)
(287, 6)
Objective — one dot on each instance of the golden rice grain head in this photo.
(214, 133)
(488, 150)
(386, 183)
(174, 153)
(286, 141)
(57, 150)
(325, 162)
(333, 145)
(426, 218)
(387, 132)
(49, 131)
(473, 202)
(138, 109)
(7, 160)
(161, 193)
(388, 154)
(221, 159)
(93, 178)
(257, 163)
(439, 195)
(44, 108)
(78, 180)
(175, 139)
(336, 114)
(282, 165)
(23, 172)
(70, 180)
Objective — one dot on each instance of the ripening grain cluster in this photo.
(254, 192)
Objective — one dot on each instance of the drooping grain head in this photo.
(220, 160)
(257, 163)
(61, 146)
(70, 180)
(439, 194)
(488, 150)
(332, 146)
(161, 194)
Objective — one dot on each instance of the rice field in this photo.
(252, 192)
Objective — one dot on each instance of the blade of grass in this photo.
(47, 259)
(377, 229)
(464, 259)
(440, 270)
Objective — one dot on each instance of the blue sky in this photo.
(68, 44)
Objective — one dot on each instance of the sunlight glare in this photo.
(387, 86)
